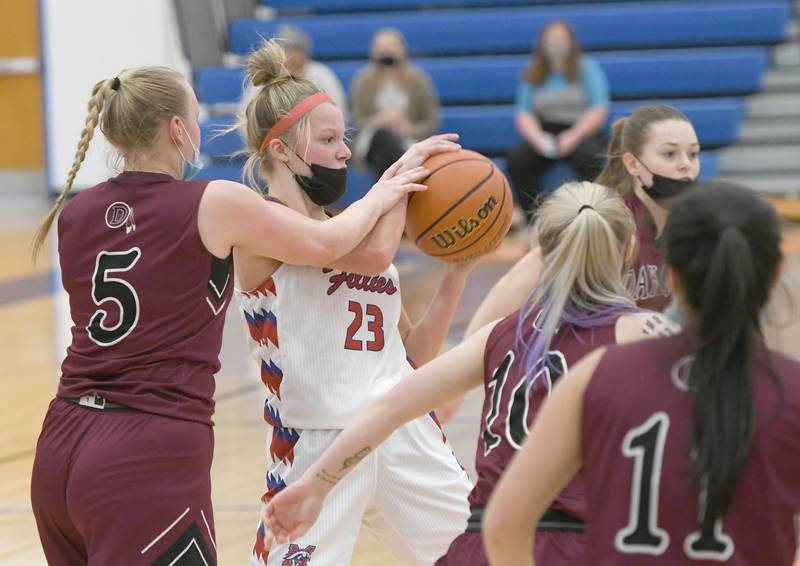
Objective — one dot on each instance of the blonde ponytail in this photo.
(583, 231)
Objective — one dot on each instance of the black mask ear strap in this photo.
(301, 159)
(643, 165)
(295, 152)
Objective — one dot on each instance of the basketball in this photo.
(466, 211)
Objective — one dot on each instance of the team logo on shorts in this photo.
(120, 214)
(297, 556)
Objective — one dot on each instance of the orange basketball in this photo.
(466, 210)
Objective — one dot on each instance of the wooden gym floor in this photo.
(34, 325)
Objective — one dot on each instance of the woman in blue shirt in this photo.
(562, 104)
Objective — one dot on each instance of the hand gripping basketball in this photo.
(393, 186)
(418, 153)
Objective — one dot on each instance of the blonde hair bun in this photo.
(268, 64)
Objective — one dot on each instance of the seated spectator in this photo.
(297, 46)
(562, 104)
(394, 103)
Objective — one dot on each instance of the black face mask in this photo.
(325, 185)
(664, 188)
(388, 60)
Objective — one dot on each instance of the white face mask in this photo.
(190, 168)
(556, 49)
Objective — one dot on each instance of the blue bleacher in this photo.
(511, 30)
(358, 182)
(701, 56)
(288, 7)
(494, 79)
(490, 129)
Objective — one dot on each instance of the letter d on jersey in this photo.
(120, 214)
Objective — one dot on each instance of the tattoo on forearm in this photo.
(354, 459)
(327, 477)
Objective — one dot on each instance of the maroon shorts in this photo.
(123, 487)
(553, 548)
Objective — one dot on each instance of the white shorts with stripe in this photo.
(411, 493)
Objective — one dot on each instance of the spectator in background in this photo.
(562, 104)
(394, 103)
(297, 46)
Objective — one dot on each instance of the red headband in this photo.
(301, 109)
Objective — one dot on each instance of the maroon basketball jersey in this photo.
(147, 299)
(510, 402)
(647, 280)
(641, 506)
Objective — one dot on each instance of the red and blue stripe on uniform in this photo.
(282, 445)
(271, 376)
(263, 327)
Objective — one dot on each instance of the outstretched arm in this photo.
(295, 509)
(424, 340)
(231, 215)
(510, 291)
(505, 297)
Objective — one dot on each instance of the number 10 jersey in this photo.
(511, 401)
(326, 342)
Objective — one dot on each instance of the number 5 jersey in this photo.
(326, 341)
(147, 298)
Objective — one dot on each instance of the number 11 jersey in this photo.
(642, 506)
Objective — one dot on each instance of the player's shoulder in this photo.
(507, 326)
(500, 335)
(80, 201)
(655, 324)
(645, 324)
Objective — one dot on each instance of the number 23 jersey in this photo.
(326, 341)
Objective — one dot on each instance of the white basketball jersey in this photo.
(326, 341)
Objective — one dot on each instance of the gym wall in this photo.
(86, 41)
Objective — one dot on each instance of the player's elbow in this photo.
(375, 258)
(502, 527)
(494, 540)
(492, 527)
(321, 253)
(380, 257)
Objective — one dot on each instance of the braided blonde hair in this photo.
(132, 107)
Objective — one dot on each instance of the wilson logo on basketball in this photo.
(464, 227)
(120, 214)
(465, 210)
